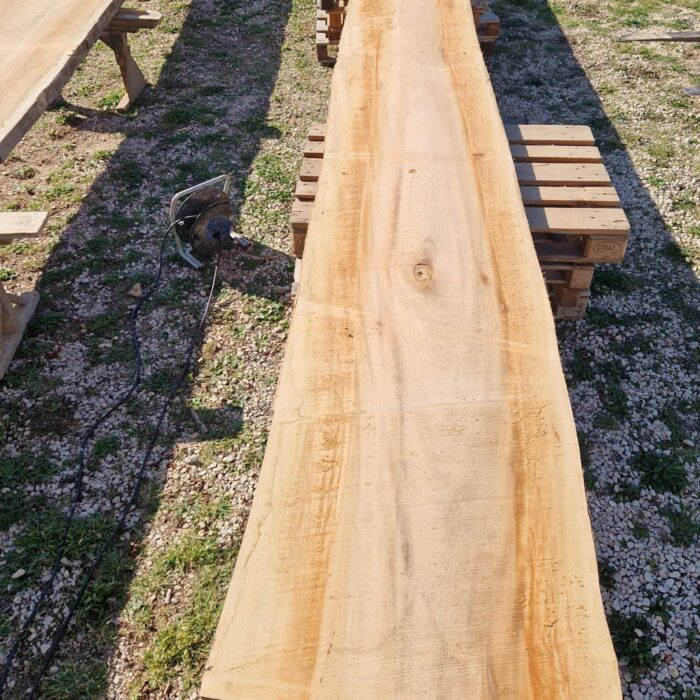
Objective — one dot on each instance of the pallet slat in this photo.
(550, 135)
(570, 196)
(581, 221)
(555, 154)
(563, 174)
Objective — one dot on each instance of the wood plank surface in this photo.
(691, 36)
(555, 154)
(568, 196)
(41, 43)
(563, 174)
(586, 220)
(550, 135)
(21, 224)
(419, 528)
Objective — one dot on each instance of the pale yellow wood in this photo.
(555, 154)
(15, 313)
(132, 20)
(570, 196)
(550, 135)
(420, 527)
(577, 221)
(16, 224)
(563, 174)
(41, 43)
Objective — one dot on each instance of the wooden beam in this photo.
(134, 80)
(131, 20)
(41, 43)
(420, 527)
(692, 36)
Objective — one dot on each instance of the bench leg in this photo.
(134, 81)
(15, 314)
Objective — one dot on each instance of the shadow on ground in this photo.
(631, 363)
(206, 115)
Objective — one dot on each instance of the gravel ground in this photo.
(235, 88)
(632, 363)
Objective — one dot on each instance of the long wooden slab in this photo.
(420, 527)
(41, 43)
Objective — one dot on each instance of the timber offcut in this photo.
(420, 527)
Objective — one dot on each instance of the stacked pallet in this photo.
(571, 205)
(330, 17)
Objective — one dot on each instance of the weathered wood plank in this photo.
(563, 174)
(550, 135)
(420, 526)
(21, 224)
(583, 221)
(555, 154)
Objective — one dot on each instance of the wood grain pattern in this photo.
(41, 43)
(420, 527)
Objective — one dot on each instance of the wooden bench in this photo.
(330, 17)
(571, 205)
(16, 310)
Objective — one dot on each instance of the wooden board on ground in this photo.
(41, 43)
(420, 526)
(21, 224)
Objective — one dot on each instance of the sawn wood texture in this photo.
(420, 527)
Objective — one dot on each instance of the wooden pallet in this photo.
(571, 205)
(330, 17)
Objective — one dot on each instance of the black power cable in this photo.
(60, 633)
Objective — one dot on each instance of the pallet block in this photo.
(571, 205)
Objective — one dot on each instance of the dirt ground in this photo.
(235, 86)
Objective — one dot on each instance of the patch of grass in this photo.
(606, 574)
(104, 325)
(640, 530)
(265, 311)
(104, 447)
(613, 396)
(678, 253)
(613, 279)
(76, 679)
(685, 529)
(7, 275)
(180, 648)
(25, 468)
(660, 472)
(662, 152)
(177, 117)
(130, 172)
(110, 100)
(659, 608)
(626, 491)
(26, 172)
(631, 635)
(36, 544)
(12, 508)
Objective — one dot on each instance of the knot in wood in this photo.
(423, 272)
